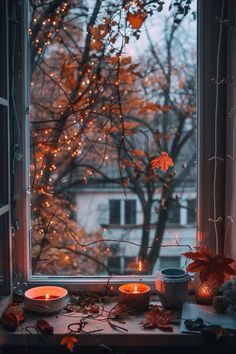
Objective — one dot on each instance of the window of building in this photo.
(114, 212)
(191, 211)
(174, 213)
(130, 212)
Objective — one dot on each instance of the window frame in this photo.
(5, 210)
(206, 47)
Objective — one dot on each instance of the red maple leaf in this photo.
(206, 264)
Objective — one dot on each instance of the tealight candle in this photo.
(46, 299)
(135, 295)
(204, 294)
(205, 291)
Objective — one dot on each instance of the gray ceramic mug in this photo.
(172, 287)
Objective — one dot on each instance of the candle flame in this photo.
(47, 296)
(140, 266)
(135, 291)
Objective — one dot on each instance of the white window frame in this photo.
(208, 10)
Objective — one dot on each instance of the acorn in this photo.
(220, 304)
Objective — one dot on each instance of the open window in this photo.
(77, 169)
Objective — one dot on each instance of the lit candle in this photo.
(135, 295)
(204, 294)
(46, 297)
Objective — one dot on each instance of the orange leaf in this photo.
(157, 318)
(164, 161)
(136, 20)
(138, 153)
(69, 342)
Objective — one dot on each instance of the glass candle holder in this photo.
(205, 291)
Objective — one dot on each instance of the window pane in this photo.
(114, 210)
(191, 211)
(113, 134)
(174, 213)
(130, 212)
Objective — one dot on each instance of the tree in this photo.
(88, 110)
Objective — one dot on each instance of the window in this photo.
(82, 180)
(191, 211)
(108, 126)
(130, 212)
(114, 212)
(122, 212)
(174, 213)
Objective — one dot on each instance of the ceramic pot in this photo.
(172, 287)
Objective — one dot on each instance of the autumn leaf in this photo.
(136, 20)
(128, 128)
(13, 316)
(164, 161)
(138, 153)
(69, 342)
(158, 318)
(206, 264)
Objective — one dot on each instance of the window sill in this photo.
(135, 337)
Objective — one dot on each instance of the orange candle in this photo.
(135, 296)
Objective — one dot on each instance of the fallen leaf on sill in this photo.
(69, 342)
(12, 317)
(158, 318)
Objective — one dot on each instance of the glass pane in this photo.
(191, 211)
(114, 210)
(174, 213)
(113, 135)
(130, 212)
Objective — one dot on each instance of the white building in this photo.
(121, 218)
